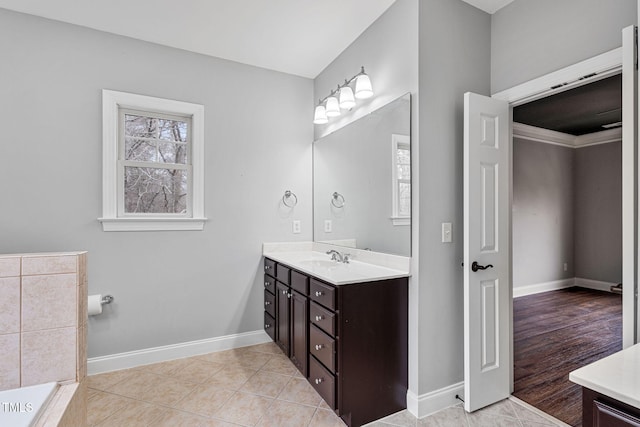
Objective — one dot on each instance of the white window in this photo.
(153, 177)
(401, 179)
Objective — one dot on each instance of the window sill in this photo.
(400, 220)
(152, 224)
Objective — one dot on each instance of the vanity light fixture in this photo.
(343, 97)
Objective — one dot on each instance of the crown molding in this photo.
(546, 136)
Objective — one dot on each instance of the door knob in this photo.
(475, 266)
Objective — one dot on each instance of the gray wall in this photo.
(530, 38)
(543, 212)
(169, 287)
(454, 58)
(598, 212)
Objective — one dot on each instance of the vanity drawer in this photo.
(300, 282)
(270, 303)
(323, 381)
(270, 284)
(282, 273)
(270, 267)
(322, 346)
(323, 294)
(270, 326)
(323, 318)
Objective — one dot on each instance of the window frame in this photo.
(113, 216)
(398, 141)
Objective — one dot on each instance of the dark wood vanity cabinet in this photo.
(599, 410)
(350, 342)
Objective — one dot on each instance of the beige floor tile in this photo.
(401, 419)
(101, 405)
(487, 419)
(324, 405)
(269, 347)
(326, 418)
(280, 364)
(298, 390)
(109, 379)
(204, 399)
(526, 415)
(239, 357)
(135, 384)
(287, 414)
(266, 384)
(174, 418)
(198, 371)
(232, 377)
(134, 414)
(166, 368)
(454, 416)
(166, 391)
(244, 408)
(501, 409)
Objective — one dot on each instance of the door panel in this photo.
(487, 219)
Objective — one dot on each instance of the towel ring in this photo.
(337, 200)
(288, 195)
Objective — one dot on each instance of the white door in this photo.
(629, 187)
(487, 292)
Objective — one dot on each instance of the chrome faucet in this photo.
(337, 256)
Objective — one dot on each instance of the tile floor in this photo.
(250, 386)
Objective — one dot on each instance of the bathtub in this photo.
(21, 407)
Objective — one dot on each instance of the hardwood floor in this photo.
(555, 333)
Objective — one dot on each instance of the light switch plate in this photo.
(296, 226)
(446, 232)
(328, 226)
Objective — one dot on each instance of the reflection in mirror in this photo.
(362, 182)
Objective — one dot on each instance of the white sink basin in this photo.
(320, 263)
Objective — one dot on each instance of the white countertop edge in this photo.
(611, 376)
(291, 259)
(395, 262)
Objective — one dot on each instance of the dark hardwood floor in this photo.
(555, 333)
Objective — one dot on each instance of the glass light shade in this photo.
(333, 108)
(320, 116)
(347, 101)
(363, 87)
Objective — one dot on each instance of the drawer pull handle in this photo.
(288, 295)
(267, 326)
(267, 303)
(319, 318)
(267, 267)
(284, 292)
(319, 380)
(319, 293)
(319, 347)
(266, 284)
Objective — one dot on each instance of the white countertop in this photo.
(616, 376)
(319, 264)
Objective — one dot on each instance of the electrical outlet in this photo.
(296, 226)
(328, 226)
(446, 232)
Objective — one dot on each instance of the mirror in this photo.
(362, 182)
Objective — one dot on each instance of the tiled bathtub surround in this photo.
(43, 324)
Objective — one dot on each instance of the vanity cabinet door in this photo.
(270, 267)
(299, 332)
(609, 416)
(283, 333)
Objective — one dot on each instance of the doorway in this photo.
(566, 241)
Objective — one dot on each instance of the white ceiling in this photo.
(298, 37)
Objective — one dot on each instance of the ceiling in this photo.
(298, 37)
(577, 111)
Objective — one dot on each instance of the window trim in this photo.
(112, 102)
(396, 218)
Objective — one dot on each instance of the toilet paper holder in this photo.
(107, 299)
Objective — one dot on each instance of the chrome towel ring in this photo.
(289, 199)
(337, 200)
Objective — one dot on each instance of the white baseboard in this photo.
(131, 359)
(594, 284)
(520, 291)
(434, 401)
